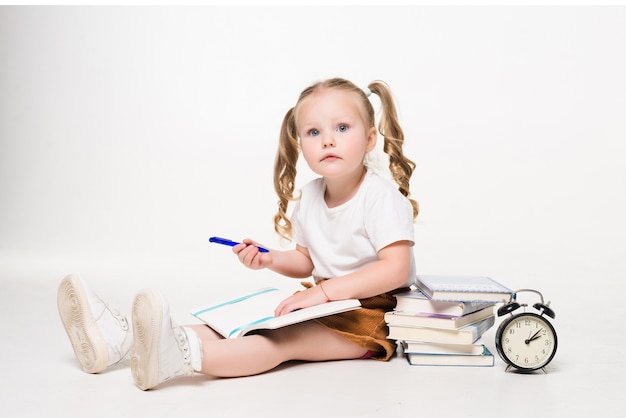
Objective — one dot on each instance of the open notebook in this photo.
(255, 310)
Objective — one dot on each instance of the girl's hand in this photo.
(250, 256)
(303, 299)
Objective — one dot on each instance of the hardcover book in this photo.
(463, 288)
(417, 302)
(432, 320)
(440, 348)
(464, 335)
(485, 359)
(255, 310)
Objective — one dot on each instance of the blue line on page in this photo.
(258, 321)
(231, 302)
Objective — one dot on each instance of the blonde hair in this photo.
(289, 148)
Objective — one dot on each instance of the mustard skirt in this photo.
(366, 325)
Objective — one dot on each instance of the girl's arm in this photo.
(389, 272)
(293, 263)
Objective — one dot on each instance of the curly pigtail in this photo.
(400, 166)
(285, 172)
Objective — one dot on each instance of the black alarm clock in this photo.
(526, 341)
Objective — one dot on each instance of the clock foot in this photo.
(518, 371)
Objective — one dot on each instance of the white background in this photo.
(128, 136)
(143, 131)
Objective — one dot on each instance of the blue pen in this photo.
(230, 243)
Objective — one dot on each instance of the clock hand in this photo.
(527, 340)
(534, 337)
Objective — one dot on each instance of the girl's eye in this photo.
(314, 132)
(342, 128)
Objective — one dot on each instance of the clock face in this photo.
(526, 341)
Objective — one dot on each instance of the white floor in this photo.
(41, 378)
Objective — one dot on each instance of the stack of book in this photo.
(442, 320)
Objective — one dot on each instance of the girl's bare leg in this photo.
(259, 353)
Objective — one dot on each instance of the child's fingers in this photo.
(250, 256)
(238, 248)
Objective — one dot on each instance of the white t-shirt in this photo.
(346, 238)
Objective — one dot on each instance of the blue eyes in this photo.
(340, 128)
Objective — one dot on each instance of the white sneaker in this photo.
(99, 334)
(161, 349)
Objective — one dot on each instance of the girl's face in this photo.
(333, 135)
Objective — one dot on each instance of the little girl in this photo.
(353, 232)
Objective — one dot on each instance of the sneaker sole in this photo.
(147, 326)
(80, 325)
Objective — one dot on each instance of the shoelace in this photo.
(123, 322)
(183, 343)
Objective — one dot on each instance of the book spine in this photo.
(459, 308)
(479, 328)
